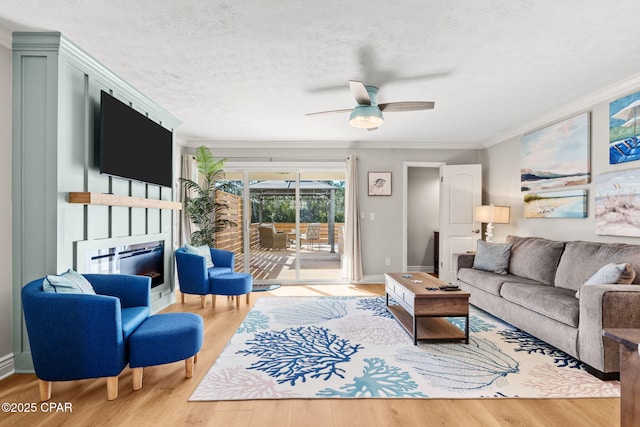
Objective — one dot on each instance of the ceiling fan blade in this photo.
(359, 92)
(406, 106)
(348, 110)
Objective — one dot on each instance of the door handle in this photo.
(475, 231)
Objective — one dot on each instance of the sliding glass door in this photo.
(290, 224)
(321, 226)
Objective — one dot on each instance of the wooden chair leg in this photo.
(248, 297)
(112, 388)
(237, 300)
(213, 300)
(45, 390)
(195, 358)
(182, 297)
(203, 301)
(137, 378)
(188, 366)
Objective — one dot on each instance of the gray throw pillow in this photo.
(492, 257)
(69, 282)
(619, 274)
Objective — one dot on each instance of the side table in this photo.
(629, 340)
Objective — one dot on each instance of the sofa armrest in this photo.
(132, 291)
(461, 260)
(605, 306)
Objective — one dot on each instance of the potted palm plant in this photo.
(200, 202)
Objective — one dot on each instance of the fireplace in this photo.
(143, 259)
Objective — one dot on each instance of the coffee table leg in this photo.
(466, 330)
(415, 330)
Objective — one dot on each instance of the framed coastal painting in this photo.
(556, 156)
(617, 203)
(624, 129)
(379, 183)
(556, 204)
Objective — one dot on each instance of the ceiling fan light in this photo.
(366, 117)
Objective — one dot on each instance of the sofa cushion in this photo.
(550, 301)
(535, 258)
(203, 251)
(69, 282)
(492, 257)
(490, 282)
(611, 274)
(581, 260)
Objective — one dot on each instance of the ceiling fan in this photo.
(368, 113)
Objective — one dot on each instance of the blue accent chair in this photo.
(80, 336)
(195, 278)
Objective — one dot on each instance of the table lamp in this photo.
(490, 214)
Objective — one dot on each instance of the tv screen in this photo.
(133, 146)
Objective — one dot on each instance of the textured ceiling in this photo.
(249, 70)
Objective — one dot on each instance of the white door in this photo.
(460, 192)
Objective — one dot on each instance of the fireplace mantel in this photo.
(90, 198)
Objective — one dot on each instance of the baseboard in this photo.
(7, 366)
(373, 279)
(422, 268)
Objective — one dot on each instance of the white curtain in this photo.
(190, 171)
(353, 261)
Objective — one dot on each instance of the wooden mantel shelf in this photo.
(88, 198)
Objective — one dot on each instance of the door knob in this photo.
(476, 231)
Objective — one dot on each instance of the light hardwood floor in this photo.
(163, 399)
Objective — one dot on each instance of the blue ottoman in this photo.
(165, 338)
(232, 284)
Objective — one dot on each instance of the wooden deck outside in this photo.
(318, 264)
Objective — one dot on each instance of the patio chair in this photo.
(313, 233)
(270, 238)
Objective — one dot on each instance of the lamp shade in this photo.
(366, 117)
(492, 214)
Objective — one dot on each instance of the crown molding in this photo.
(328, 145)
(26, 41)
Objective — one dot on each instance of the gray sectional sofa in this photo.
(537, 294)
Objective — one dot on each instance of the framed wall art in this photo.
(624, 127)
(556, 156)
(379, 183)
(556, 204)
(618, 203)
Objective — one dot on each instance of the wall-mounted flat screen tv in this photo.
(132, 145)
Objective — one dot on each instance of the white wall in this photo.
(501, 176)
(6, 359)
(423, 216)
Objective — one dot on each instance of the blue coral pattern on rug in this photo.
(295, 353)
(352, 347)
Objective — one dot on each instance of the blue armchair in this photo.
(193, 275)
(80, 336)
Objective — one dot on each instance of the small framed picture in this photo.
(379, 183)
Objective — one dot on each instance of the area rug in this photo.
(351, 347)
(264, 287)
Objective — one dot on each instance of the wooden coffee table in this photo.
(422, 312)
